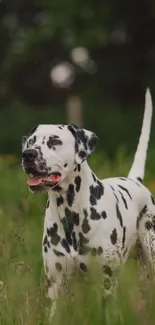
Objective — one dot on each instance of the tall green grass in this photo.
(22, 283)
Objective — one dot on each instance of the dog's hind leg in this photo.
(146, 235)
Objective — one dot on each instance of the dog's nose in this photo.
(30, 154)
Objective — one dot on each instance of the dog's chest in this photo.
(66, 241)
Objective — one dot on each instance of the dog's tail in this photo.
(138, 167)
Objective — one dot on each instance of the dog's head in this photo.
(49, 152)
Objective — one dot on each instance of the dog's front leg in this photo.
(57, 286)
(109, 282)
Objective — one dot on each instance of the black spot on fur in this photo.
(57, 253)
(92, 142)
(133, 180)
(82, 154)
(58, 266)
(68, 228)
(125, 190)
(65, 245)
(70, 194)
(124, 200)
(76, 218)
(139, 179)
(144, 210)
(82, 137)
(94, 214)
(85, 226)
(83, 267)
(83, 240)
(130, 179)
(148, 225)
(119, 216)
(122, 178)
(45, 249)
(72, 217)
(104, 215)
(50, 142)
(96, 192)
(152, 199)
(60, 201)
(113, 236)
(75, 244)
(92, 200)
(65, 165)
(77, 182)
(52, 232)
(107, 270)
(46, 242)
(57, 188)
(85, 213)
(73, 128)
(78, 167)
(137, 222)
(100, 250)
(116, 197)
(113, 190)
(53, 141)
(123, 239)
(83, 248)
(96, 251)
(42, 166)
(94, 178)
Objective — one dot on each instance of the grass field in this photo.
(22, 282)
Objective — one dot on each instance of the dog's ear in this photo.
(85, 142)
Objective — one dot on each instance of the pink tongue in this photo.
(34, 181)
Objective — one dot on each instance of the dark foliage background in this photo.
(36, 36)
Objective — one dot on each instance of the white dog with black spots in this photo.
(85, 215)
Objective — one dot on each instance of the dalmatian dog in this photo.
(86, 216)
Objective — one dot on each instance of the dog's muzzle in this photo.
(39, 180)
(29, 157)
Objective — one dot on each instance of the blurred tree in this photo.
(36, 35)
(52, 51)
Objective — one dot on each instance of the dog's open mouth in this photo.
(44, 180)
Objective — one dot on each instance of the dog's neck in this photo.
(75, 184)
(76, 195)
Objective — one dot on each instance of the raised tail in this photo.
(138, 167)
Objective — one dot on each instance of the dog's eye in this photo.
(57, 142)
(31, 141)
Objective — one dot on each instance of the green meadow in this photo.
(22, 282)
